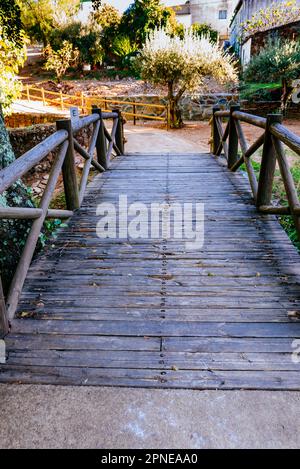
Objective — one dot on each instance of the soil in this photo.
(75, 83)
(199, 132)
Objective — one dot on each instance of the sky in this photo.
(123, 4)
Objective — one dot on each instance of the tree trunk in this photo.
(286, 93)
(176, 121)
(13, 233)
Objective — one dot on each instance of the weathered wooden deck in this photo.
(148, 313)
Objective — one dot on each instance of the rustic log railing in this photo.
(102, 142)
(64, 101)
(230, 138)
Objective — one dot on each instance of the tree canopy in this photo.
(10, 20)
(40, 17)
(12, 51)
(181, 65)
(142, 17)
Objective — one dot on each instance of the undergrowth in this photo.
(279, 198)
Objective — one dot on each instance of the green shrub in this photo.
(59, 61)
(204, 29)
(260, 91)
(279, 61)
(87, 39)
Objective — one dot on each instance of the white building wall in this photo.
(186, 20)
(246, 53)
(84, 11)
(209, 12)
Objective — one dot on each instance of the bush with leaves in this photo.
(59, 61)
(181, 65)
(279, 61)
(108, 19)
(124, 49)
(206, 30)
(41, 17)
(143, 17)
(85, 38)
(107, 16)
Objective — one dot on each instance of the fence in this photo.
(64, 101)
(63, 139)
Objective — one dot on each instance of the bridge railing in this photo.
(230, 138)
(102, 142)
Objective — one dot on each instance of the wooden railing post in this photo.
(4, 324)
(101, 145)
(233, 141)
(69, 168)
(268, 164)
(61, 101)
(43, 97)
(215, 137)
(28, 92)
(134, 114)
(120, 132)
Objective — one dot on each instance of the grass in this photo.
(261, 91)
(279, 197)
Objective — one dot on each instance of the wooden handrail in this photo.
(273, 139)
(31, 158)
(63, 140)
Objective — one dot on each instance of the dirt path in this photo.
(157, 140)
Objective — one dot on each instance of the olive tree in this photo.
(182, 64)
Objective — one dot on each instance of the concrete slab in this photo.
(87, 417)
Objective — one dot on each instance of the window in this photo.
(222, 14)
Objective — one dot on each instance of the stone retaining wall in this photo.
(24, 139)
(18, 120)
(199, 107)
(194, 108)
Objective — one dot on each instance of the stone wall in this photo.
(196, 107)
(18, 120)
(262, 108)
(24, 139)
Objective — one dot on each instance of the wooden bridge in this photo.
(149, 312)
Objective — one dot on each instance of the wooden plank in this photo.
(158, 328)
(81, 342)
(269, 380)
(180, 361)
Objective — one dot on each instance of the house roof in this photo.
(236, 10)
